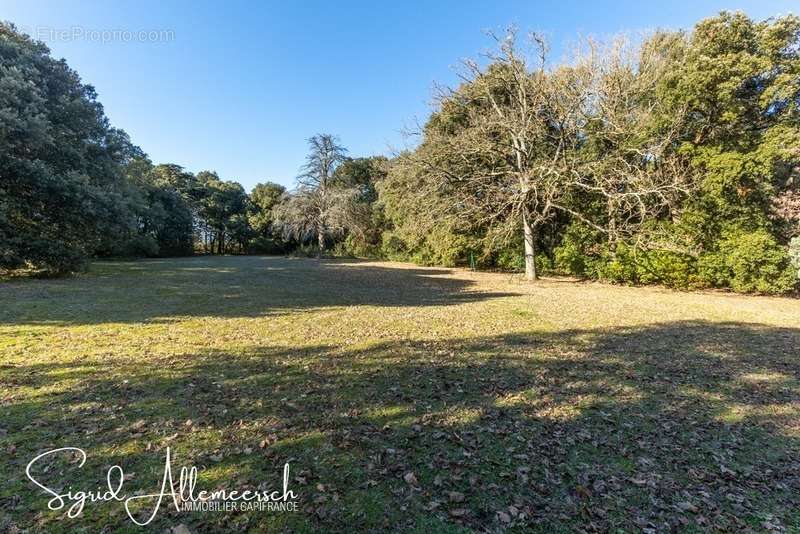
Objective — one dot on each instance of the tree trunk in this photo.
(320, 242)
(530, 249)
(612, 229)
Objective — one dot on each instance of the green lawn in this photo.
(404, 398)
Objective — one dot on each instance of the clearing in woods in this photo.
(404, 398)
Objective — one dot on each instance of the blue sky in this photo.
(240, 86)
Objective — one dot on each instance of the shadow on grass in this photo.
(234, 286)
(687, 425)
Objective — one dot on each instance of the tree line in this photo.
(671, 160)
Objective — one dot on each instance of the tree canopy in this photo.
(674, 161)
(670, 160)
(62, 164)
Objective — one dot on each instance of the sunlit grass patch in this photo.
(757, 378)
(404, 399)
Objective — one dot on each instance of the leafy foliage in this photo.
(74, 187)
(733, 156)
(61, 162)
(749, 262)
(675, 162)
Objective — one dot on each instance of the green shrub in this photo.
(712, 269)
(669, 268)
(509, 259)
(440, 247)
(578, 252)
(749, 262)
(141, 246)
(265, 245)
(513, 259)
(393, 247)
(135, 246)
(357, 248)
(306, 250)
(619, 267)
(53, 257)
(570, 259)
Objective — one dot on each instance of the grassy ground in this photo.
(405, 399)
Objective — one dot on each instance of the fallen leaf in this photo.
(455, 496)
(687, 507)
(410, 478)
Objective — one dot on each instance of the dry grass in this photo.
(553, 406)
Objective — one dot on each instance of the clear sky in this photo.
(238, 87)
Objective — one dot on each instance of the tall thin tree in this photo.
(316, 183)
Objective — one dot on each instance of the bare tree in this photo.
(629, 159)
(511, 145)
(499, 143)
(312, 208)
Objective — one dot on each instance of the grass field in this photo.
(404, 398)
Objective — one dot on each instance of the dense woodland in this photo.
(672, 160)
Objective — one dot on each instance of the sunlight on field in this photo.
(559, 401)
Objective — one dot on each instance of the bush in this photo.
(712, 269)
(583, 252)
(571, 259)
(393, 247)
(265, 245)
(669, 268)
(620, 267)
(356, 248)
(137, 245)
(42, 256)
(141, 245)
(749, 262)
(306, 250)
(513, 259)
(578, 253)
(439, 247)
